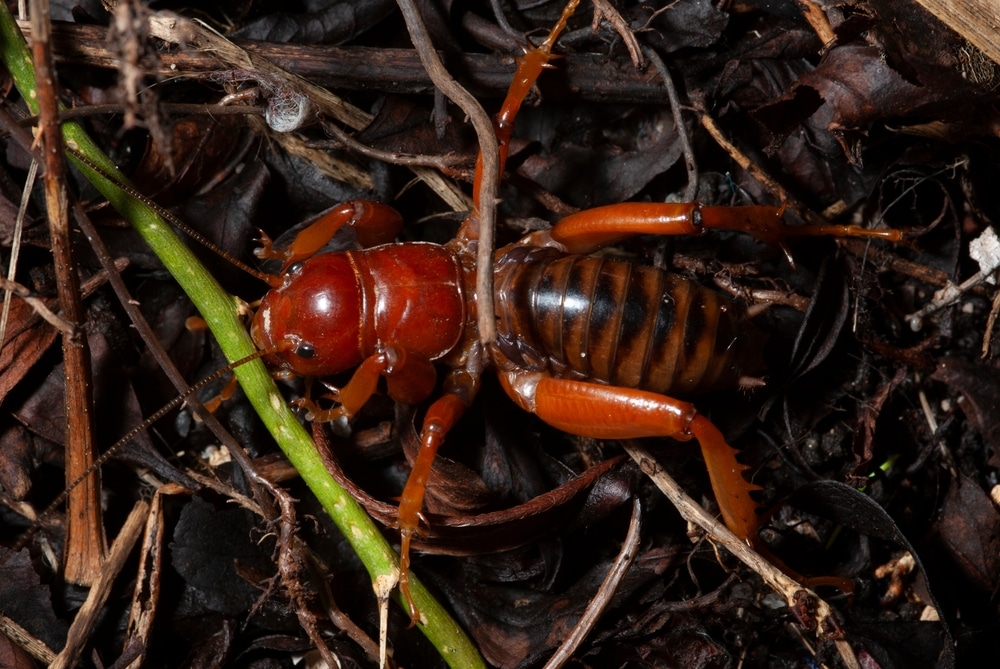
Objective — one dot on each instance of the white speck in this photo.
(985, 250)
(216, 455)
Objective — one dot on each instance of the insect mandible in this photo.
(594, 347)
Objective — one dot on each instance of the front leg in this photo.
(374, 223)
(410, 378)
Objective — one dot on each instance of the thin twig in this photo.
(289, 569)
(702, 601)
(604, 10)
(86, 544)
(590, 76)
(694, 513)
(682, 134)
(990, 322)
(178, 108)
(344, 140)
(813, 13)
(946, 297)
(38, 304)
(604, 594)
(337, 617)
(16, 128)
(755, 170)
(26, 640)
(15, 248)
(762, 296)
(24, 141)
(884, 260)
(488, 149)
(88, 616)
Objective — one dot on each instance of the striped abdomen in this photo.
(624, 324)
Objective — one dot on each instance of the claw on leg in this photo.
(404, 576)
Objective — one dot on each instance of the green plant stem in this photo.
(220, 311)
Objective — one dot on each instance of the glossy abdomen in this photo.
(624, 324)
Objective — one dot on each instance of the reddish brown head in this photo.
(313, 319)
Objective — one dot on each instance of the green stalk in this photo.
(219, 309)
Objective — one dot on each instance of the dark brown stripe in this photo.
(577, 302)
(638, 321)
(606, 317)
(547, 305)
(661, 368)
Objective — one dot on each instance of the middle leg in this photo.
(460, 388)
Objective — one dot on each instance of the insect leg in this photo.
(609, 412)
(529, 68)
(410, 378)
(374, 223)
(591, 229)
(460, 387)
(228, 390)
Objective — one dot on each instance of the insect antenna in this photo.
(176, 222)
(126, 439)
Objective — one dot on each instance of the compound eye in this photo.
(305, 351)
(294, 268)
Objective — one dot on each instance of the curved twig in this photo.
(604, 594)
(604, 10)
(675, 108)
(489, 150)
